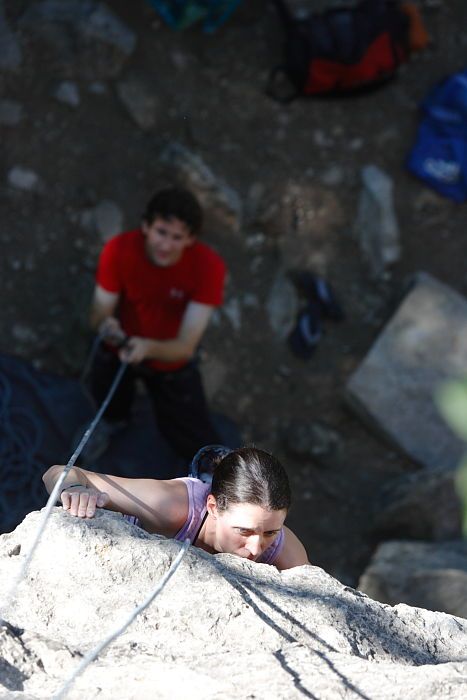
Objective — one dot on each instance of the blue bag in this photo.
(439, 156)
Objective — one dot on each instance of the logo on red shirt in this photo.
(176, 293)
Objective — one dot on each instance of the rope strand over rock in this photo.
(94, 653)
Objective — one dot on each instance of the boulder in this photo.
(313, 440)
(428, 575)
(140, 102)
(376, 226)
(282, 305)
(105, 218)
(422, 505)
(86, 37)
(222, 205)
(393, 389)
(222, 626)
(109, 219)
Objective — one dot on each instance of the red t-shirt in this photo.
(153, 299)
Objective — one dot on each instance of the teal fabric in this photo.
(182, 13)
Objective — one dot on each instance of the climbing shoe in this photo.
(315, 288)
(306, 333)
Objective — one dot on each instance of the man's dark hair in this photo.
(249, 475)
(175, 202)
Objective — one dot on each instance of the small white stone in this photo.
(109, 219)
(23, 334)
(23, 178)
(68, 93)
(233, 312)
(11, 112)
(98, 88)
(333, 176)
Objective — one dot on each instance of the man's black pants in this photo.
(177, 397)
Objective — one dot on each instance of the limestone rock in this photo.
(68, 93)
(24, 334)
(214, 373)
(431, 576)
(254, 199)
(424, 344)
(102, 25)
(282, 306)
(423, 505)
(376, 226)
(222, 204)
(313, 440)
(23, 179)
(299, 632)
(333, 176)
(16, 663)
(233, 311)
(108, 219)
(140, 102)
(11, 112)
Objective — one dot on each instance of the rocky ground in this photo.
(85, 115)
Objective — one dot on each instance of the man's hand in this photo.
(135, 350)
(82, 501)
(111, 331)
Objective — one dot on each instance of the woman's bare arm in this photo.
(293, 552)
(161, 506)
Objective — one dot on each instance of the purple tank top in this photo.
(198, 492)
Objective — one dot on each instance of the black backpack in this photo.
(341, 51)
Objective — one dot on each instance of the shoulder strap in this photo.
(193, 542)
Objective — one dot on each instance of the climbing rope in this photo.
(57, 489)
(94, 653)
(31, 446)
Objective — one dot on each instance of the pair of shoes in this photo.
(99, 440)
(317, 289)
(306, 333)
(321, 302)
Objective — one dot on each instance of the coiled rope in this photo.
(20, 437)
(32, 446)
(56, 491)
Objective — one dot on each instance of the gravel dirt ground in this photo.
(296, 169)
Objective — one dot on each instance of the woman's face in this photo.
(245, 529)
